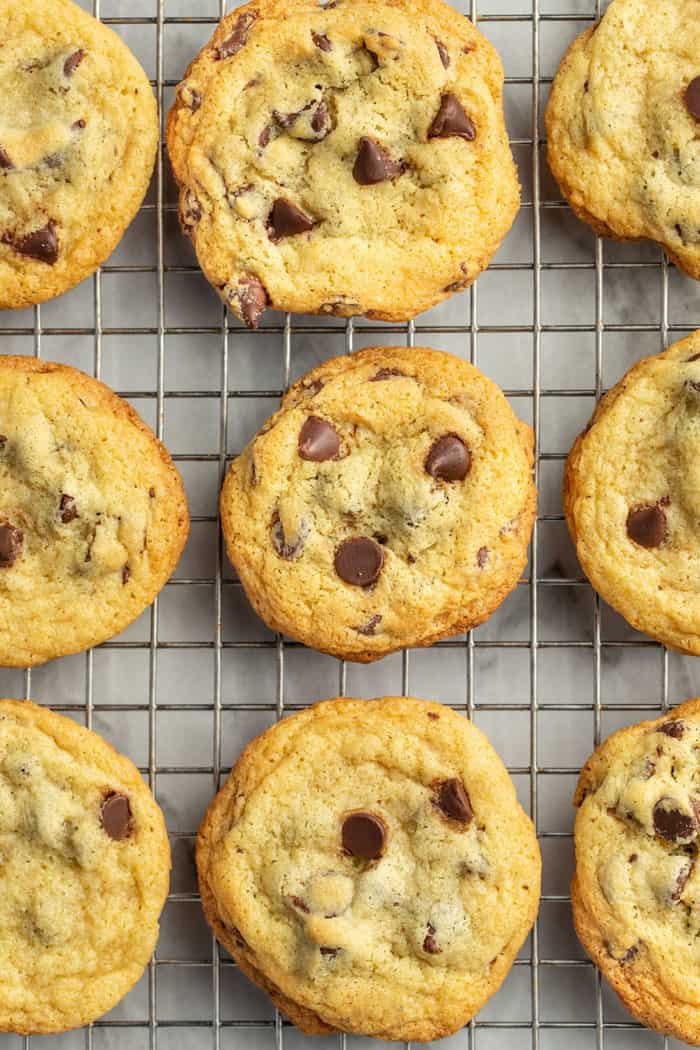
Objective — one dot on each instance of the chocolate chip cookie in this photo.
(369, 866)
(93, 515)
(84, 870)
(636, 891)
(346, 158)
(388, 503)
(78, 135)
(623, 126)
(632, 497)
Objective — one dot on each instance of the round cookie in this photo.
(632, 497)
(93, 515)
(78, 136)
(388, 503)
(84, 870)
(622, 126)
(366, 855)
(636, 890)
(343, 159)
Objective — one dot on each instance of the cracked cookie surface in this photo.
(623, 126)
(388, 503)
(368, 864)
(636, 890)
(632, 496)
(93, 515)
(348, 159)
(84, 869)
(78, 135)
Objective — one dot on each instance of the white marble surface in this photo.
(501, 682)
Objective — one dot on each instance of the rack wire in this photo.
(551, 674)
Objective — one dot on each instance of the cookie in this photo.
(632, 497)
(369, 854)
(84, 870)
(343, 159)
(93, 515)
(388, 503)
(636, 888)
(78, 136)
(622, 126)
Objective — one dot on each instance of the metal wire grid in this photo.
(598, 1029)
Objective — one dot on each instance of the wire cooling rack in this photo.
(557, 319)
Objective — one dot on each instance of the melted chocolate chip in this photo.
(78, 125)
(681, 881)
(482, 557)
(674, 728)
(238, 38)
(40, 244)
(647, 526)
(321, 121)
(126, 575)
(251, 298)
(430, 945)
(453, 800)
(3, 442)
(11, 543)
(692, 98)
(451, 120)
(265, 136)
(300, 904)
(288, 551)
(67, 509)
(5, 161)
(72, 62)
(374, 164)
(695, 357)
(671, 823)
(432, 715)
(286, 220)
(318, 440)
(321, 41)
(359, 561)
(386, 373)
(331, 952)
(443, 53)
(449, 459)
(363, 835)
(115, 815)
(369, 628)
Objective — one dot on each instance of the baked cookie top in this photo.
(632, 496)
(388, 503)
(623, 126)
(78, 135)
(348, 158)
(93, 515)
(84, 866)
(369, 864)
(636, 892)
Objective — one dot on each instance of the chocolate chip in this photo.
(671, 823)
(286, 220)
(152, 493)
(78, 125)
(238, 38)
(288, 551)
(449, 459)
(265, 136)
(5, 161)
(115, 815)
(674, 728)
(251, 298)
(695, 357)
(331, 952)
(435, 717)
(457, 286)
(40, 244)
(374, 164)
(3, 442)
(633, 858)
(647, 526)
(386, 373)
(681, 881)
(369, 628)
(67, 509)
(451, 120)
(430, 945)
(11, 543)
(321, 41)
(72, 62)
(359, 561)
(363, 835)
(190, 212)
(321, 121)
(318, 440)
(300, 904)
(453, 800)
(443, 52)
(126, 575)
(692, 98)
(482, 557)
